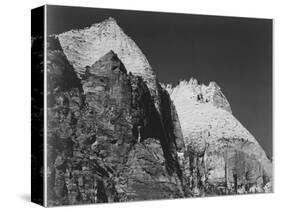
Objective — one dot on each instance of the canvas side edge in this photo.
(37, 105)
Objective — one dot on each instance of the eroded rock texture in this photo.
(84, 47)
(221, 156)
(115, 134)
(106, 141)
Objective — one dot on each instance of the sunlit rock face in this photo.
(106, 142)
(200, 93)
(115, 134)
(221, 156)
(84, 47)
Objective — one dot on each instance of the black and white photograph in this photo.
(133, 105)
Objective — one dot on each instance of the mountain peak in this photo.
(200, 93)
(86, 46)
(112, 20)
(109, 24)
(211, 132)
(193, 81)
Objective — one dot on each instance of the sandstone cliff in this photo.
(105, 138)
(84, 47)
(115, 134)
(221, 156)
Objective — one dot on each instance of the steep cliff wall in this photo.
(105, 138)
(115, 134)
(221, 156)
(84, 47)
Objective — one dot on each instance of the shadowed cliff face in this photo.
(115, 134)
(106, 141)
(61, 74)
(84, 47)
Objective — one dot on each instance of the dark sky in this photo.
(234, 52)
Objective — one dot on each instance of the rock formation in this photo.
(84, 47)
(221, 156)
(93, 132)
(115, 134)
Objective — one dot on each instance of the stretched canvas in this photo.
(134, 105)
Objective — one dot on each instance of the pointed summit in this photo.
(84, 47)
(108, 62)
(109, 24)
(110, 19)
(200, 93)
